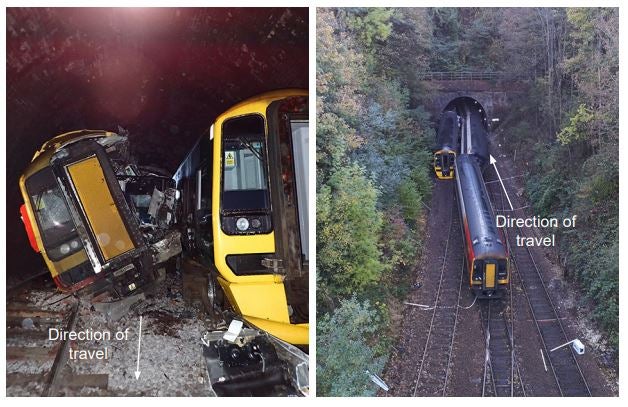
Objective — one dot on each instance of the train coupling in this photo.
(243, 361)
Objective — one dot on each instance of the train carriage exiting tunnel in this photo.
(463, 129)
(448, 136)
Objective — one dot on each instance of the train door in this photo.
(490, 271)
(108, 229)
(288, 142)
(203, 199)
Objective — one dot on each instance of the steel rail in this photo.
(438, 295)
(563, 388)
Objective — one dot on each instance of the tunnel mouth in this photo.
(457, 103)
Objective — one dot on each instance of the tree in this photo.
(345, 351)
(348, 227)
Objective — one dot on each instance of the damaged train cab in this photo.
(101, 222)
(244, 220)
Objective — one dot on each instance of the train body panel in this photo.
(485, 252)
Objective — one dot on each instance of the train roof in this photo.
(485, 237)
(266, 96)
(447, 135)
(41, 158)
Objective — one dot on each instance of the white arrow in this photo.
(139, 344)
(493, 161)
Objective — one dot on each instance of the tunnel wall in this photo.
(496, 97)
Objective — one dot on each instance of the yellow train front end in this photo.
(259, 211)
(47, 216)
(444, 164)
(79, 217)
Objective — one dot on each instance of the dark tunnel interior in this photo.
(163, 74)
(457, 103)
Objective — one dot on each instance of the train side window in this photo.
(203, 187)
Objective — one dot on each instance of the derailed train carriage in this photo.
(244, 219)
(447, 142)
(101, 222)
(486, 254)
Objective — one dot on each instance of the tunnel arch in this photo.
(456, 103)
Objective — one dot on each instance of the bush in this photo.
(348, 228)
(345, 350)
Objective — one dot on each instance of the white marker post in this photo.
(493, 161)
(543, 357)
(377, 380)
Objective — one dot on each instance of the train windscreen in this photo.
(245, 183)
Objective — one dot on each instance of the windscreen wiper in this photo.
(248, 145)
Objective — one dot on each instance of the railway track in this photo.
(36, 366)
(434, 368)
(562, 363)
(501, 377)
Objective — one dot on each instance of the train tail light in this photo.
(29, 228)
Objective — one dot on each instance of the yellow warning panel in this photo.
(229, 158)
(489, 278)
(100, 208)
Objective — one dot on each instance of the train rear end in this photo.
(489, 276)
(486, 255)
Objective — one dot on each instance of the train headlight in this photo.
(242, 224)
(65, 248)
(246, 224)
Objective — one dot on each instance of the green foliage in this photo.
(409, 200)
(372, 182)
(578, 128)
(466, 39)
(569, 114)
(371, 25)
(348, 227)
(347, 347)
(407, 49)
(333, 139)
(446, 44)
(594, 260)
